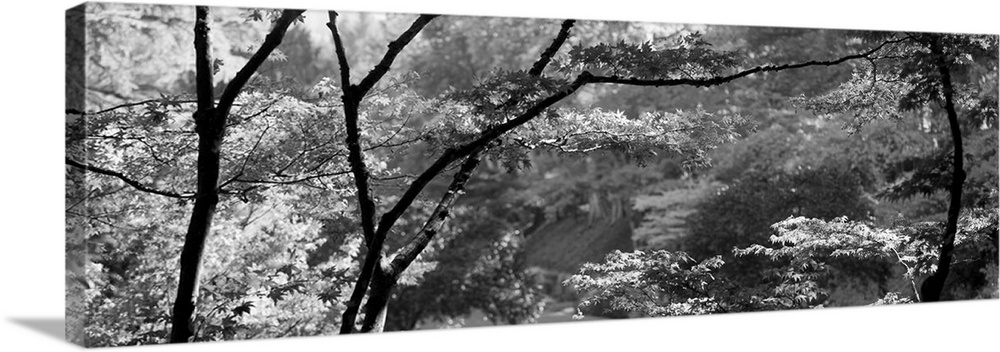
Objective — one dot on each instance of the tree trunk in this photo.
(210, 124)
(209, 142)
(352, 96)
(210, 132)
(379, 294)
(930, 290)
(366, 207)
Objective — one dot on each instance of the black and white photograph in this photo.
(258, 174)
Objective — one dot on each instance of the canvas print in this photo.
(252, 173)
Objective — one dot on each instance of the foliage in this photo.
(286, 245)
(665, 283)
(689, 56)
(902, 79)
(461, 51)
(812, 252)
(484, 271)
(123, 280)
(892, 298)
(741, 214)
(816, 249)
(654, 284)
(687, 135)
(123, 66)
(764, 172)
(478, 260)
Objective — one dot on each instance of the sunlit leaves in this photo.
(505, 94)
(130, 246)
(658, 283)
(261, 14)
(275, 139)
(892, 298)
(260, 258)
(689, 57)
(866, 97)
(664, 283)
(271, 15)
(904, 77)
(812, 245)
(688, 135)
(810, 239)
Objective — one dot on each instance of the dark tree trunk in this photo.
(210, 139)
(930, 290)
(210, 133)
(210, 125)
(367, 207)
(352, 96)
(379, 293)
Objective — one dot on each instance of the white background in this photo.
(31, 177)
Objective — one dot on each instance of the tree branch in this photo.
(135, 184)
(452, 154)
(539, 66)
(127, 105)
(352, 99)
(345, 68)
(395, 47)
(270, 43)
(298, 180)
(404, 256)
(246, 158)
(352, 96)
(486, 137)
(713, 81)
(204, 72)
(909, 272)
(408, 253)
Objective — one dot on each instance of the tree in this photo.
(815, 246)
(280, 156)
(211, 121)
(924, 68)
(489, 117)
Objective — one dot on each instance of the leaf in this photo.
(289, 270)
(243, 308)
(278, 293)
(217, 65)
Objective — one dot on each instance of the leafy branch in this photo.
(717, 80)
(131, 182)
(164, 100)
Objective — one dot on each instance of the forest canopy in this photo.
(255, 173)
